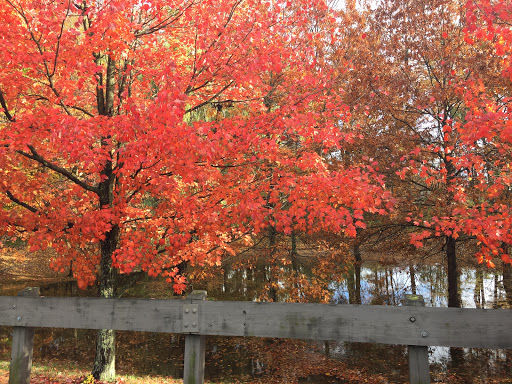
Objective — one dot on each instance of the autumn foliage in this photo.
(149, 136)
(158, 133)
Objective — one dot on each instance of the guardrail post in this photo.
(194, 342)
(22, 347)
(418, 355)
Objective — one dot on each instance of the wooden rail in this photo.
(411, 324)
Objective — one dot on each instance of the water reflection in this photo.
(480, 288)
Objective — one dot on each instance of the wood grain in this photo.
(419, 369)
(22, 348)
(477, 328)
(195, 349)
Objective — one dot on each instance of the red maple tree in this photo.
(149, 135)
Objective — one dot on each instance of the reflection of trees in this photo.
(278, 267)
(479, 293)
(434, 277)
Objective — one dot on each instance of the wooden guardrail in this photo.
(411, 324)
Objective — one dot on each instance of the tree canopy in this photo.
(147, 136)
(160, 132)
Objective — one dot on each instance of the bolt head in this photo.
(424, 334)
(194, 310)
(412, 319)
(18, 318)
(14, 306)
(194, 325)
(186, 310)
(186, 325)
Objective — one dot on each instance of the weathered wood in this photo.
(193, 370)
(418, 356)
(93, 313)
(372, 324)
(22, 347)
(451, 327)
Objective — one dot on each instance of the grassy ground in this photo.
(58, 373)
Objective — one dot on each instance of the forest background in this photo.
(185, 139)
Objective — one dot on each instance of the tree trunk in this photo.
(479, 293)
(105, 358)
(413, 279)
(272, 290)
(357, 273)
(294, 253)
(507, 282)
(357, 293)
(456, 354)
(495, 296)
(453, 274)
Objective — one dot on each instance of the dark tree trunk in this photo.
(270, 276)
(104, 360)
(495, 296)
(456, 354)
(294, 253)
(507, 282)
(453, 274)
(413, 279)
(357, 270)
(357, 293)
(479, 294)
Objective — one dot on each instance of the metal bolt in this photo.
(186, 325)
(186, 310)
(194, 325)
(14, 306)
(18, 318)
(424, 334)
(413, 319)
(194, 310)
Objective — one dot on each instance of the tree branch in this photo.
(64, 172)
(21, 203)
(4, 106)
(210, 99)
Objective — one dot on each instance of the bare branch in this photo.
(64, 172)
(164, 23)
(21, 203)
(210, 99)
(4, 106)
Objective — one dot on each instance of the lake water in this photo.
(479, 288)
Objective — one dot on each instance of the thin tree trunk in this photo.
(270, 276)
(413, 279)
(294, 253)
(357, 270)
(495, 296)
(507, 282)
(456, 354)
(388, 294)
(393, 293)
(453, 274)
(479, 294)
(357, 293)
